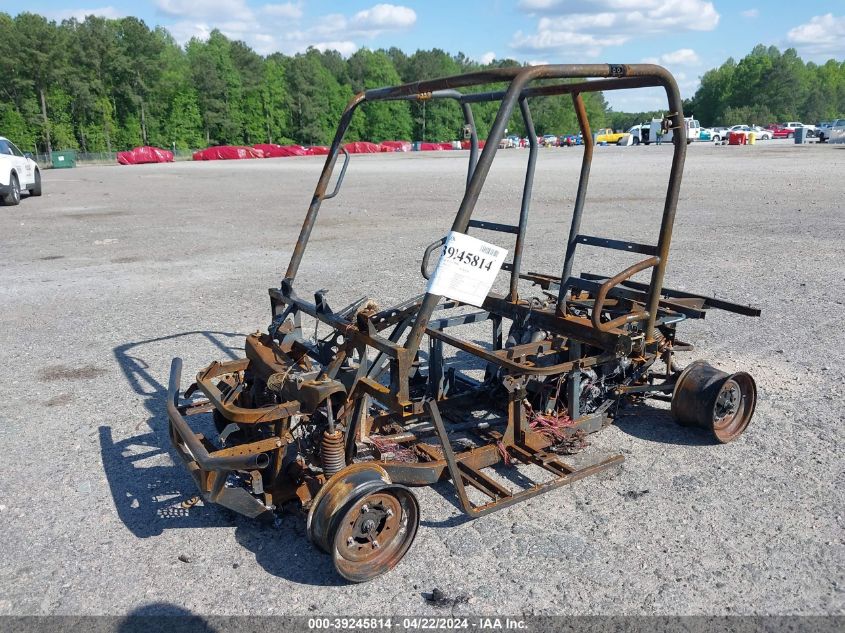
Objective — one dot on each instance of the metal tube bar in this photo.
(679, 139)
(583, 181)
(526, 197)
(473, 143)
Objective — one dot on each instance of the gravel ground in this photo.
(117, 269)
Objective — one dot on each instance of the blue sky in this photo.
(687, 36)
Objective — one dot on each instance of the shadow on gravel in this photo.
(283, 549)
(656, 425)
(147, 495)
(163, 617)
(152, 491)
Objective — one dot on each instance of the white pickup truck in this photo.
(826, 132)
(18, 172)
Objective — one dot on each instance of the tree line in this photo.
(103, 85)
(768, 86)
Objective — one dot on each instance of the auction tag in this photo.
(466, 269)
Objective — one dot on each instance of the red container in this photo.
(736, 138)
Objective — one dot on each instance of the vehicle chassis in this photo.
(341, 424)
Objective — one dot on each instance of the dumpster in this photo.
(64, 159)
(800, 135)
(736, 138)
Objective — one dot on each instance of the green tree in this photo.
(386, 120)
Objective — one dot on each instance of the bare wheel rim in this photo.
(734, 407)
(375, 533)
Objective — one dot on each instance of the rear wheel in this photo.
(36, 188)
(790, 135)
(714, 400)
(14, 196)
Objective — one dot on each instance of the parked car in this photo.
(607, 135)
(719, 134)
(760, 133)
(825, 130)
(549, 140)
(787, 130)
(18, 172)
(837, 132)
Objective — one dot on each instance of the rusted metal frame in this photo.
(469, 120)
(494, 226)
(234, 413)
(567, 88)
(519, 76)
(679, 141)
(379, 364)
(601, 295)
(399, 358)
(343, 326)
(182, 433)
(618, 341)
(526, 198)
(457, 473)
(708, 302)
(502, 75)
(473, 139)
(619, 245)
(501, 360)
(578, 211)
(639, 295)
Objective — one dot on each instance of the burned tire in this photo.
(712, 399)
(13, 198)
(364, 521)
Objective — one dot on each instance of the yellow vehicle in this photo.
(607, 135)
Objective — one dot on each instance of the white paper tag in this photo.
(466, 269)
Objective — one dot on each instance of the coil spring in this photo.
(332, 453)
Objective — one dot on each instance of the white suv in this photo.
(17, 173)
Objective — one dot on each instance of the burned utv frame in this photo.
(343, 423)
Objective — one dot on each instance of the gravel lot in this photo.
(117, 269)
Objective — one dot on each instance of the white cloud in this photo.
(345, 48)
(268, 28)
(289, 10)
(822, 35)
(384, 17)
(203, 8)
(487, 58)
(80, 14)
(751, 13)
(569, 25)
(563, 41)
(680, 57)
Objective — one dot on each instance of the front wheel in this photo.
(13, 197)
(790, 135)
(364, 521)
(36, 188)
